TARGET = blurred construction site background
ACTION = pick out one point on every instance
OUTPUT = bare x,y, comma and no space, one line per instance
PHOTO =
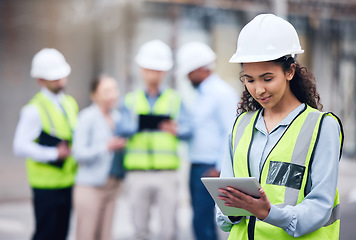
103,36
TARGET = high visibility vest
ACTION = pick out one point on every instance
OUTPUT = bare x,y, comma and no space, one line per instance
59,124
284,174
152,150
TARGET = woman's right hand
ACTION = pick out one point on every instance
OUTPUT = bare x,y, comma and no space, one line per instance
116,143
259,207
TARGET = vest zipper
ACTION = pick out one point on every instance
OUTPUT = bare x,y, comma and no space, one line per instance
252,221
263,165
251,228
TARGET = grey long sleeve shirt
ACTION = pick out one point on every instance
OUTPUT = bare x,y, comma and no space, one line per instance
314,211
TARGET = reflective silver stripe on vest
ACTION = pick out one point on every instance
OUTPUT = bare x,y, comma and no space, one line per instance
53,131
335,215
300,153
170,110
240,129
152,152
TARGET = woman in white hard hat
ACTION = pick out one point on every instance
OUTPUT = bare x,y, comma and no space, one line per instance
282,139
94,144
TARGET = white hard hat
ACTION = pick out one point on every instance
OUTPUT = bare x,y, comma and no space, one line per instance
49,64
266,38
194,55
155,55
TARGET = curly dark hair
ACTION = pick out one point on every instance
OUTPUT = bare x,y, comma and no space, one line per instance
302,86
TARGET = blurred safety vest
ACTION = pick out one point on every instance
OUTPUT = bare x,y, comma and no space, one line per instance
60,125
284,174
152,150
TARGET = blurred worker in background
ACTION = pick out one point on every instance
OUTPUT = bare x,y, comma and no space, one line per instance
213,114
151,158
43,136
94,144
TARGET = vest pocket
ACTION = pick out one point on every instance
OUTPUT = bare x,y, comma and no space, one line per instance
285,174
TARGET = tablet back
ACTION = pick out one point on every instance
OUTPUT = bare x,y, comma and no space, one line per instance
248,185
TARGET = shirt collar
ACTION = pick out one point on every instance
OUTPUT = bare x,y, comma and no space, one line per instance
113,113
52,96
261,126
204,85
160,91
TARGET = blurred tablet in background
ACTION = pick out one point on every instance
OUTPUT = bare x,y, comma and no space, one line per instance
51,141
151,122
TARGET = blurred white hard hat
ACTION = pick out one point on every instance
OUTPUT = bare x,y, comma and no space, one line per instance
49,64
194,55
265,38
155,55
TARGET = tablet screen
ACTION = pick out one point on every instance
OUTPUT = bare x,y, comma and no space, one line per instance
151,122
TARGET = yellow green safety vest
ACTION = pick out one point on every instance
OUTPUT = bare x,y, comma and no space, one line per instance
152,150
294,151
55,123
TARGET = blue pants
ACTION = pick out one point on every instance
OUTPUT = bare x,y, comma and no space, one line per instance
52,212
203,205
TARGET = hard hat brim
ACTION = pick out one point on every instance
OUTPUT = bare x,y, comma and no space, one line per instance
52,75
237,58
186,69
154,65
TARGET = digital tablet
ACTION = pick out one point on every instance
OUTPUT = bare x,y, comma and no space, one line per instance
151,122
248,185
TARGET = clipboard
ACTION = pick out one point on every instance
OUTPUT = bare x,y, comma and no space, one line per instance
51,141
151,122
248,185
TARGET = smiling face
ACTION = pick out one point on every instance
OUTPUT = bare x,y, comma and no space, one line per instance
268,84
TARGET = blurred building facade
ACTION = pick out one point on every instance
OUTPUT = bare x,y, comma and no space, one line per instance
99,36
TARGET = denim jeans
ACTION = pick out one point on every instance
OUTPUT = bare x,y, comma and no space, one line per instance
203,205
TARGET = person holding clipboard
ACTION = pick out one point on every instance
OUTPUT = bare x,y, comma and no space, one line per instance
44,135
153,119
282,139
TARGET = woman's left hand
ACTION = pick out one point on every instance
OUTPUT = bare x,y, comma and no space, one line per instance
259,207
116,143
